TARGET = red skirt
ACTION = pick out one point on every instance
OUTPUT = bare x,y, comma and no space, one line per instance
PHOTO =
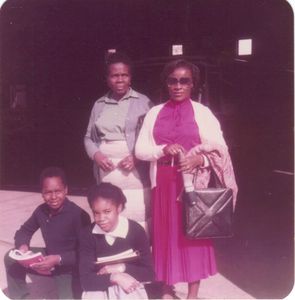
176,258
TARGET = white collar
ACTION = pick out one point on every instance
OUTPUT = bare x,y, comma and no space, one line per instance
121,230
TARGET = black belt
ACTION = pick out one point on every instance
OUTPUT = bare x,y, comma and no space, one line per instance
166,163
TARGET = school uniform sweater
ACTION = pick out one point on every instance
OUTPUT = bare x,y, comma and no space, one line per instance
60,231
93,245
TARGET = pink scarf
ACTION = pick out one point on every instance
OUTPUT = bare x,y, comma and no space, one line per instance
221,163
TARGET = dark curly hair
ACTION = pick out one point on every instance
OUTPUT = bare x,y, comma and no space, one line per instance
53,172
108,191
115,58
171,67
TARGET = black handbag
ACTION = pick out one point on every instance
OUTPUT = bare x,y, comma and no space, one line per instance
208,212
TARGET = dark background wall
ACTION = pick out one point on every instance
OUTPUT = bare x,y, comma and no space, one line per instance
55,50
52,53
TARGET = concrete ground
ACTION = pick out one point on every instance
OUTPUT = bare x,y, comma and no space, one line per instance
17,206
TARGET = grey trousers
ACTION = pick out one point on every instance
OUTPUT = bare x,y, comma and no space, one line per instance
16,280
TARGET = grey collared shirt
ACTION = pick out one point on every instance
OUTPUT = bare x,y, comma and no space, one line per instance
111,121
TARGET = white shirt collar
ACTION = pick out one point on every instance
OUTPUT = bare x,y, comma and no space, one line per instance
121,230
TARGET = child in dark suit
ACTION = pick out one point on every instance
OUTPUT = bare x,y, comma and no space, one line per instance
60,221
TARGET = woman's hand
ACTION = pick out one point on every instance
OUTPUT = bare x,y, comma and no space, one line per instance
173,149
103,162
189,163
47,264
125,281
114,268
127,163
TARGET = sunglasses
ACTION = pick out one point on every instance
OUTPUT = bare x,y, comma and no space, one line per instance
181,81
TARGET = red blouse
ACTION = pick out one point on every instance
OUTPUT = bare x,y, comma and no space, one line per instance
176,123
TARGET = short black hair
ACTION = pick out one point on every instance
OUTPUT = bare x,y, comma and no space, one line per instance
108,191
53,172
171,66
118,57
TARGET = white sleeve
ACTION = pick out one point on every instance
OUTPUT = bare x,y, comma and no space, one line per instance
210,130
145,147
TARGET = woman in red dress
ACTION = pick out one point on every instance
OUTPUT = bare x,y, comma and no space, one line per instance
180,125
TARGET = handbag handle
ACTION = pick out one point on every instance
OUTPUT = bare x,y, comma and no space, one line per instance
188,182
214,179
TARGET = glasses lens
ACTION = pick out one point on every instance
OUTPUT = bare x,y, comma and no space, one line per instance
182,81
172,81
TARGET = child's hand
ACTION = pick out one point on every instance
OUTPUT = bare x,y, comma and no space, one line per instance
128,283
47,264
114,268
24,248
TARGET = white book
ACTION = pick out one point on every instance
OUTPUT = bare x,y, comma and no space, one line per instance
124,256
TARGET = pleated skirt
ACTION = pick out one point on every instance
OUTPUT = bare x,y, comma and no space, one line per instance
176,258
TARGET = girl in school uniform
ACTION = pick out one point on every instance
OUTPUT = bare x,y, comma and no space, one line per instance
111,234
